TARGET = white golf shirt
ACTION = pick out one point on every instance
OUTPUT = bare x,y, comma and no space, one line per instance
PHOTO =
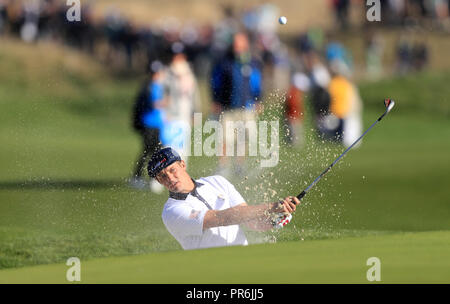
183,214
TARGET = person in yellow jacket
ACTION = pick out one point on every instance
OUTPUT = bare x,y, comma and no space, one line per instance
341,91
345,105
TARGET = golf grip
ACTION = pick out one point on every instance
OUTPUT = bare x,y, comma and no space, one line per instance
301,195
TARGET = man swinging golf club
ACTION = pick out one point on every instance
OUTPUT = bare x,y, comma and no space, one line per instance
210,212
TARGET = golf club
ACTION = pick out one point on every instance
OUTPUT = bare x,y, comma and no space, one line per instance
389,104
283,220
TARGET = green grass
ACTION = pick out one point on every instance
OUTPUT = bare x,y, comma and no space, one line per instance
404,258
67,148
425,93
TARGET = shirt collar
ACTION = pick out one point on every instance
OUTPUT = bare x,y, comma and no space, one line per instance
183,196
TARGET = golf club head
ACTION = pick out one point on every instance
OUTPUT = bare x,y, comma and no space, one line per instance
389,104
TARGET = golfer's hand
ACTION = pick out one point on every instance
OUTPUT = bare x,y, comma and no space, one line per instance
287,205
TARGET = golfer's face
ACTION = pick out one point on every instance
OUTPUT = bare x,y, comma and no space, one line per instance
174,177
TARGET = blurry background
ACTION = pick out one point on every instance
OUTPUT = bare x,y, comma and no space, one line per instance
68,148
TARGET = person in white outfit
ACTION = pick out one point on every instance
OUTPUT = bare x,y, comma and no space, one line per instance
183,100
353,124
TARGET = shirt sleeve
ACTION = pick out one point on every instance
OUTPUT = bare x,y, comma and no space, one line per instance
182,219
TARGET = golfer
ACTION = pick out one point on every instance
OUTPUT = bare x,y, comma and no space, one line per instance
208,212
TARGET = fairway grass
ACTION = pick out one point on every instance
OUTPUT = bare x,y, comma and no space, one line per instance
420,257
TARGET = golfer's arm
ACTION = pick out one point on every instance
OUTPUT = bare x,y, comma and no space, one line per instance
234,216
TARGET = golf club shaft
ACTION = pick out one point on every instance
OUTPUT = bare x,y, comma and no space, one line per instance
303,193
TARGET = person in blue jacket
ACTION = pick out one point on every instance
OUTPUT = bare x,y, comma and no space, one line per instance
236,85
149,120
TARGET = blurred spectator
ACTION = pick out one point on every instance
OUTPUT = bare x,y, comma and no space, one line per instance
335,51
15,16
81,34
52,22
320,99
183,100
277,67
318,90
2,15
442,11
114,28
316,36
295,109
261,24
341,10
374,46
129,39
149,120
340,92
345,107
404,54
224,31
236,85
315,68
411,56
420,56
199,51
305,43
29,29
416,9
395,12
353,124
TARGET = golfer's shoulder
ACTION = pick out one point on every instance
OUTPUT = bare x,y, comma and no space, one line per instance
172,203
167,205
173,207
217,184
215,180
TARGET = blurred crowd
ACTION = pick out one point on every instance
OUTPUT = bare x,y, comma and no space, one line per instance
416,12
249,62
120,42
398,12
112,39
242,59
